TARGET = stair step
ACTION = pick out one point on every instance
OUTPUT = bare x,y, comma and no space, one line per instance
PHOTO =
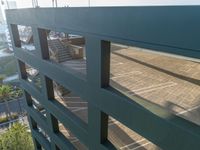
60,61
63,53
65,58
63,50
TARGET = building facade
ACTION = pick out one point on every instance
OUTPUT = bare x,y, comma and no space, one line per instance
172,30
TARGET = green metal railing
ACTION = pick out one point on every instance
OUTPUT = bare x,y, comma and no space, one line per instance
172,29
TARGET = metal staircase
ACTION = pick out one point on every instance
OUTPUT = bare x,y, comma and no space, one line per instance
60,51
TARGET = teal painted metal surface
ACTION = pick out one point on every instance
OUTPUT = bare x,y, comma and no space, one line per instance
167,29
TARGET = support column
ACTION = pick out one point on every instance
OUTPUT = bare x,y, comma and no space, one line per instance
98,67
41,44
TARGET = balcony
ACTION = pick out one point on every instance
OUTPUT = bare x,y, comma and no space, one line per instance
131,82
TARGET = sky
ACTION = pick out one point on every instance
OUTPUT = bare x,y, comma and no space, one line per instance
78,3
95,3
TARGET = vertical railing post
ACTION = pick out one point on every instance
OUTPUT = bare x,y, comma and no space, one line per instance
41,42
14,35
98,60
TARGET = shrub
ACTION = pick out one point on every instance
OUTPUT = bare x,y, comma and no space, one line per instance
16,138
8,92
4,119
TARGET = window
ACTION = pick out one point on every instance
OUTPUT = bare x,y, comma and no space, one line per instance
67,50
124,138
33,76
72,138
26,38
171,82
71,101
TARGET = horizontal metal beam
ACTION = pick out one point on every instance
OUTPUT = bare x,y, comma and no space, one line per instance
171,29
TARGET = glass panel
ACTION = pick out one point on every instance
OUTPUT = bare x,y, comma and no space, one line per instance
38,106
169,81
33,76
73,139
124,138
43,133
71,101
26,37
67,50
